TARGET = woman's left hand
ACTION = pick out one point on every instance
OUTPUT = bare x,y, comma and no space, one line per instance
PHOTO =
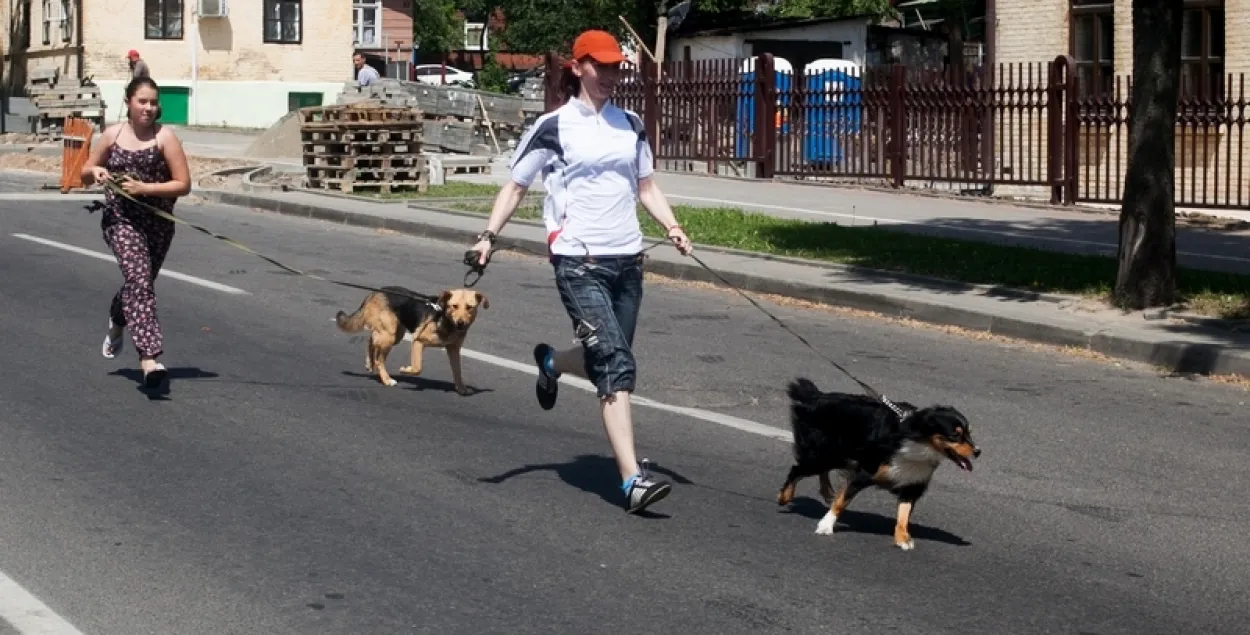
679,238
134,187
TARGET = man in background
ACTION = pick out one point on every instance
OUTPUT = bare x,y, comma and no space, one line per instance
138,67
365,74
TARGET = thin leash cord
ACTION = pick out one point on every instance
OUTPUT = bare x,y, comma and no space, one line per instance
471,259
868,389
113,186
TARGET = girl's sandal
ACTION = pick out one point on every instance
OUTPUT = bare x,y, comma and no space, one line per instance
154,377
112,346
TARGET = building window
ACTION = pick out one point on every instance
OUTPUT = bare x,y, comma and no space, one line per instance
367,23
1093,45
67,25
1202,50
162,19
475,36
283,21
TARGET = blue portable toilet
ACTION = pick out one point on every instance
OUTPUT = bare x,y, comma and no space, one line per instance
784,74
834,95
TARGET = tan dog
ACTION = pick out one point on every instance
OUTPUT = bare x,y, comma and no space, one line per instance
392,314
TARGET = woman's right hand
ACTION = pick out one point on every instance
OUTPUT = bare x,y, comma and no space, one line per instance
483,250
100,174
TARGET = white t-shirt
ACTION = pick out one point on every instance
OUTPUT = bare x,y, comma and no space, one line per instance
591,164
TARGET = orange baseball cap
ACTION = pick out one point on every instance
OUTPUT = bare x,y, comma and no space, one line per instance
600,46
132,54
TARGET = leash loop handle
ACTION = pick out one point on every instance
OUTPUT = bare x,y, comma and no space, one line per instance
476,268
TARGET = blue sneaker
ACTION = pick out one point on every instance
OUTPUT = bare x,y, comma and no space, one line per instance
548,385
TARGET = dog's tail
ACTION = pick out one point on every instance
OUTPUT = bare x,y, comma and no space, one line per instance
803,392
353,323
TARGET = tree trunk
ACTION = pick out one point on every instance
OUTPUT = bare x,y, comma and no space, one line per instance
1147,267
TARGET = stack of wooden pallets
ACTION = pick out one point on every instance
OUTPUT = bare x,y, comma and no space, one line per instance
363,147
58,98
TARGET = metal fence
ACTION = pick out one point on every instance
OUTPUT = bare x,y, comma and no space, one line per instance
1021,126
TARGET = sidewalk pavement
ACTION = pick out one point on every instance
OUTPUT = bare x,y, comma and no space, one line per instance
1177,344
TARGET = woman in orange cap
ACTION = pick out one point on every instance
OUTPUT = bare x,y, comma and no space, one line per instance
596,165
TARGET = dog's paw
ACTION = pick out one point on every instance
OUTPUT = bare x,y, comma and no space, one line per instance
906,545
408,370
390,382
464,391
825,526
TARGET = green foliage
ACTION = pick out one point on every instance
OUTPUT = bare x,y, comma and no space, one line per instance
435,26
833,8
493,77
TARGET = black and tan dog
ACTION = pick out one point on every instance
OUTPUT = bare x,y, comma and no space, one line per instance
869,444
393,314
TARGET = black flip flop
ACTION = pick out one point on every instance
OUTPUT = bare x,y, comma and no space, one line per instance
154,378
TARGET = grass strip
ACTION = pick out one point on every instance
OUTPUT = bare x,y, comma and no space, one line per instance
1210,293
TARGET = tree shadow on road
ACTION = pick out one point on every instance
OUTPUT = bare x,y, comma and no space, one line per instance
861,522
590,473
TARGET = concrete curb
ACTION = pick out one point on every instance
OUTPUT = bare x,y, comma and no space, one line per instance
1183,357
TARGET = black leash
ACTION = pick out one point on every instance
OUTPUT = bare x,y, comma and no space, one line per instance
471,260
872,392
476,269
113,186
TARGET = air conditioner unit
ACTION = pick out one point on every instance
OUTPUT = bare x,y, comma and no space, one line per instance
212,9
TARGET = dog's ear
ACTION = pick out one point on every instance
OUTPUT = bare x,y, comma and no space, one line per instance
482,300
444,298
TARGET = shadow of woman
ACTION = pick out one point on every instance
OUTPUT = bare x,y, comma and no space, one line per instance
162,392
590,473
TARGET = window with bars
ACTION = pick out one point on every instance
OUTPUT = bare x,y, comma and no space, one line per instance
1092,46
162,19
284,21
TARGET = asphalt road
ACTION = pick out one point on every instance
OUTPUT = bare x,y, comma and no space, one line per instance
277,489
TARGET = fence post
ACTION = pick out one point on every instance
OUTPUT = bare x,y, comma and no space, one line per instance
551,82
651,105
765,116
1071,130
898,124
1056,135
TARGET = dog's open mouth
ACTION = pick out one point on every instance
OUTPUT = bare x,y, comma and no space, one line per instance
963,463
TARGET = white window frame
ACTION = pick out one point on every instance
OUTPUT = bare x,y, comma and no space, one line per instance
358,8
469,26
48,19
67,25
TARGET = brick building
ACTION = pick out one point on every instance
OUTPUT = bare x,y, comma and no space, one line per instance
246,68
1098,35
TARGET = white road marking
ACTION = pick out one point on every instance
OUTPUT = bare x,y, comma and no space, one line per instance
1106,247
165,273
27,615
729,421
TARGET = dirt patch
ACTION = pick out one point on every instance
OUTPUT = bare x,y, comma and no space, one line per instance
281,141
25,138
199,166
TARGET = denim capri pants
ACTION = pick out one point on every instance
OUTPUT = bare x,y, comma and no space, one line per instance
602,295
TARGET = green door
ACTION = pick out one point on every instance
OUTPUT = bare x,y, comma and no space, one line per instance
295,101
175,105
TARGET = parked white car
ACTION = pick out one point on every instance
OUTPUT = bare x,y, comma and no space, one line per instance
433,74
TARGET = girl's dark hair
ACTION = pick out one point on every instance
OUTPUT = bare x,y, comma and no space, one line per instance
139,82
134,86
